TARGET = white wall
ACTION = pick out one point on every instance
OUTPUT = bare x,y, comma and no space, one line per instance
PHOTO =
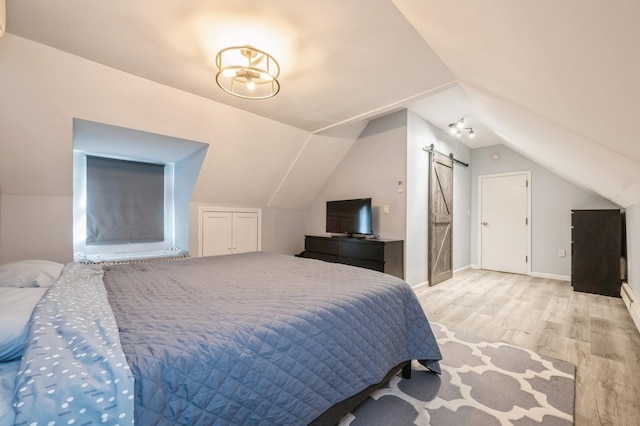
36,227
552,199
416,245
632,215
44,89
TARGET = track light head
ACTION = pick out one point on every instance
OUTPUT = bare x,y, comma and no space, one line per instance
457,128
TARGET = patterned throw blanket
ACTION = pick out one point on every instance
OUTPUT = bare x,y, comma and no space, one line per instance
73,370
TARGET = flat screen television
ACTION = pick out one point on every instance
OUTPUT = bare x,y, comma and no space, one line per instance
349,216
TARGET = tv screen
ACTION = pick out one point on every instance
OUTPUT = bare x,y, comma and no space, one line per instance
349,216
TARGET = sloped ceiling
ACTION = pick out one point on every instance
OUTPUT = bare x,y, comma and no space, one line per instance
556,81
339,59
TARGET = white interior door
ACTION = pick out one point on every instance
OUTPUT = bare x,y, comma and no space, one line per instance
504,223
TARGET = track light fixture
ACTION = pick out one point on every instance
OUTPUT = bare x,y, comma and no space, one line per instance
457,128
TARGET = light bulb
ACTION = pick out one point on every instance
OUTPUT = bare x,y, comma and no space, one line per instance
453,129
460,124
458,133
472,134
251,85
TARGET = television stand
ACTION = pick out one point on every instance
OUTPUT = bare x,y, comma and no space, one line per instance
380,255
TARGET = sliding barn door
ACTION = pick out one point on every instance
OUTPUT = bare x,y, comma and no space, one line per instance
440,218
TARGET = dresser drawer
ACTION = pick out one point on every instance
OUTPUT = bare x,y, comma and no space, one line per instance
328,246
363,263
380,255
321,256
369,250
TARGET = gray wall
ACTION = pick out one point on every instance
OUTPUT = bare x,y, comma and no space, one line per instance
422,134
282,229
372,168
552,199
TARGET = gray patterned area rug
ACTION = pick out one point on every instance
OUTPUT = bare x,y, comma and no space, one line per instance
482,383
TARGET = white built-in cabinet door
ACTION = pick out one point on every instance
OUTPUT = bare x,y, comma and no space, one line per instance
245,232
229,232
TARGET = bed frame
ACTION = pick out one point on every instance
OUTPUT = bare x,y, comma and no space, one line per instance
334,414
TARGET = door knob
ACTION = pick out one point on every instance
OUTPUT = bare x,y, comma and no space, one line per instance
485,223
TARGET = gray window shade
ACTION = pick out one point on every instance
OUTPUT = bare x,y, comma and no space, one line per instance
125,201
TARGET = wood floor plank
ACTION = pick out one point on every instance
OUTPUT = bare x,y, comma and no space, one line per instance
593,332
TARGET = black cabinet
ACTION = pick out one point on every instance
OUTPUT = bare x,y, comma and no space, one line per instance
380,255
596,248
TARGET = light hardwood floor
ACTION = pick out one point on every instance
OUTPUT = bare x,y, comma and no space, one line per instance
593,332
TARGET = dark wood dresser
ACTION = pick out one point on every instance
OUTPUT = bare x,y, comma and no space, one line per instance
596,248
380,255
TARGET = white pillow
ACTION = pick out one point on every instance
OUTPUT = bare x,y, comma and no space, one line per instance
29,273
16,306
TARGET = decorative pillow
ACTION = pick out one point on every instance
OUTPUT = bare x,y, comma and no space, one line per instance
16,306
29,273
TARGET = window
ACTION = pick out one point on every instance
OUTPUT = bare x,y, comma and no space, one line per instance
121,206
131,191
125,201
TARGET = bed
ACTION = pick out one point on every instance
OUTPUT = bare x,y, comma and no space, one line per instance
254,338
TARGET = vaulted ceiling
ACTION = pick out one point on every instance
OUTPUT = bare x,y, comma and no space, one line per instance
555,81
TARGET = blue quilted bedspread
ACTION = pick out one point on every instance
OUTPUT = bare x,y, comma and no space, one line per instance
260,338
73,370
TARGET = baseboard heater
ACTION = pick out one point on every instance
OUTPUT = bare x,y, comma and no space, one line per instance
632,302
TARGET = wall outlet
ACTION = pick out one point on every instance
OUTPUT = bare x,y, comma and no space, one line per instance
562,253
385,209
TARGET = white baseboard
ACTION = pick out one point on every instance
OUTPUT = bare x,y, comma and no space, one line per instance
538,274
551,276
426,283
632,302
419,285
464,268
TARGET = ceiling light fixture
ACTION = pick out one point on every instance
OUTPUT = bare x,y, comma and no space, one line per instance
247,72
457,128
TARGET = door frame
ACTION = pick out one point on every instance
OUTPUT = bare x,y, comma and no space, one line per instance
479,214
